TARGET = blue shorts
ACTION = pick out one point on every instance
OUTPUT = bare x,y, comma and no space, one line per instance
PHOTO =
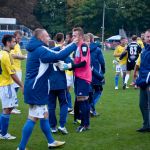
82,87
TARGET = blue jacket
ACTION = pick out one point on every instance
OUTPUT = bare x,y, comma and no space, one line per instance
97,63
38,68
144,72
57,77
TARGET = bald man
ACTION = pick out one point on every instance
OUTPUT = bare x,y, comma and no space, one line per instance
39,65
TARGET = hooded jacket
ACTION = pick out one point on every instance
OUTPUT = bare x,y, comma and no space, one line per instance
38,68
97,63
144,73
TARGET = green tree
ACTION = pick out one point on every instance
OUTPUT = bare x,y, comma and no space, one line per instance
52,15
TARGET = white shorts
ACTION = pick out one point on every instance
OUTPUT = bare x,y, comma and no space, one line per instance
123,68
38,111
118,68
19,74
8,96
70,81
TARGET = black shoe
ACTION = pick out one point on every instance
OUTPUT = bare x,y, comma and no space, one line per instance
143,130
124,86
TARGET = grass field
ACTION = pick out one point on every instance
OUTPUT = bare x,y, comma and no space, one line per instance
114,129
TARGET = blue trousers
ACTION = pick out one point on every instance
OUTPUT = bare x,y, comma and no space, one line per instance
61,95
95,95
145,106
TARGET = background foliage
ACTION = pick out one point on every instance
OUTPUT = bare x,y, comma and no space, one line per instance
62,15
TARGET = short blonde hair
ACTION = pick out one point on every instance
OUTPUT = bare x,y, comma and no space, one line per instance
86,37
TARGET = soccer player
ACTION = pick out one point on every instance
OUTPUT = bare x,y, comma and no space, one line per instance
98,71
69,77
121,66
58,89
59,39
37,85
133,50
83,77
143,82
17,57
7,91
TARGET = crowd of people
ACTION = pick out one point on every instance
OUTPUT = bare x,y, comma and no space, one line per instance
52,68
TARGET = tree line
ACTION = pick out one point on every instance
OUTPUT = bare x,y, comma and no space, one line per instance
63,15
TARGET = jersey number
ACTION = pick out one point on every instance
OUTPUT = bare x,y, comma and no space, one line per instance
133,50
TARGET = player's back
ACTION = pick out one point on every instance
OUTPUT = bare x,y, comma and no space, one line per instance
134,50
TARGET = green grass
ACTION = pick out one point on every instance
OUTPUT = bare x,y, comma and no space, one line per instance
113,130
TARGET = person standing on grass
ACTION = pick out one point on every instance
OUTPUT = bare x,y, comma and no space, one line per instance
98,71
143,82
17,57
58,89
83,76
121,66
133,50
69,77
7,92
37,85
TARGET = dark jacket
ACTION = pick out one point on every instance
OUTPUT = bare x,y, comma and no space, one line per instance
97,64
144,72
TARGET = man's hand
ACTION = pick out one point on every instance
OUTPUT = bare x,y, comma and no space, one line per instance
75,40
64,66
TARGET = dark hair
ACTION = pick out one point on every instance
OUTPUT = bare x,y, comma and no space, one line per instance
70,34
18,32
59,37
80,30
7,38
134,37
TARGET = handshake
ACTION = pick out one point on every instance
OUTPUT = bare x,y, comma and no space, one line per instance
63,66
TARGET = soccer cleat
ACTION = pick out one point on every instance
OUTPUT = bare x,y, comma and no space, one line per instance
136,87
124,86
63,130
132,84
116,87
94,114
19,149
7,137
15,111
54,130
56,144
70,110
82,128
143,129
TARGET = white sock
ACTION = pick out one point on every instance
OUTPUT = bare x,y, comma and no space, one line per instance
126,78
